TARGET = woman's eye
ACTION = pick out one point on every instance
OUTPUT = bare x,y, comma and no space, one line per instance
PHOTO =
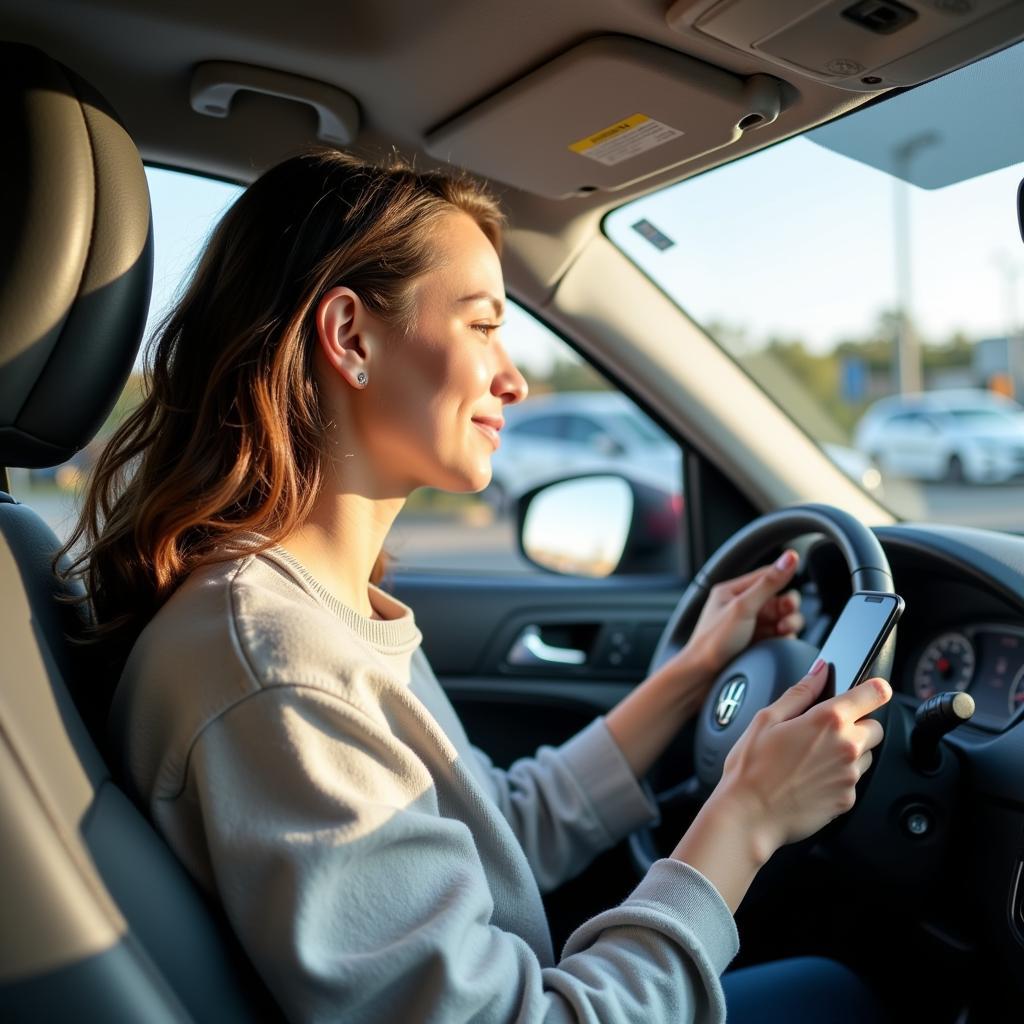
485,328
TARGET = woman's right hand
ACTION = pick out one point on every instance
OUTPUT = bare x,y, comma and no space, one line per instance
796,766
793,770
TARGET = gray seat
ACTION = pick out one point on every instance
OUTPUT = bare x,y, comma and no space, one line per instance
99,920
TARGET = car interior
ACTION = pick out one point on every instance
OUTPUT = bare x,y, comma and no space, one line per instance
570,112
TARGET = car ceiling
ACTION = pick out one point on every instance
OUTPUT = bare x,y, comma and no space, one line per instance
410,65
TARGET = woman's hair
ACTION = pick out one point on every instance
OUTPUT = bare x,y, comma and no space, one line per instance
231,436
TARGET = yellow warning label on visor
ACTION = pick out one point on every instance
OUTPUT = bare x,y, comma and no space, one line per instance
626,138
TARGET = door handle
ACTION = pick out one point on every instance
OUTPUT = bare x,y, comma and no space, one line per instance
530,649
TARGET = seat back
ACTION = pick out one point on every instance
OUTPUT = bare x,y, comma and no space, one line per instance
99,920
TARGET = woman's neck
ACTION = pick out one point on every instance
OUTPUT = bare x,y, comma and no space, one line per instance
339,544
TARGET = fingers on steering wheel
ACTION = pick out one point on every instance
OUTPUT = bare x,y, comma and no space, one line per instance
863,763
782,605
791,624
736,586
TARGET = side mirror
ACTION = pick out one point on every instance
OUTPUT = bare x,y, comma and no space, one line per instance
1020,210
598,525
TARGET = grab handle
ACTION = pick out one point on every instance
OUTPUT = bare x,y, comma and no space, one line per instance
215,83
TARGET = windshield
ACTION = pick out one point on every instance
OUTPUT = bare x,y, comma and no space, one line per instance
874,258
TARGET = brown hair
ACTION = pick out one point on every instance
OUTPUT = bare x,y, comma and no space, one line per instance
230,434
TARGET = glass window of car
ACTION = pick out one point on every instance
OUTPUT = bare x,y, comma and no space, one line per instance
436,530
879,254
533,451
550,427
583,430
981,417
914,420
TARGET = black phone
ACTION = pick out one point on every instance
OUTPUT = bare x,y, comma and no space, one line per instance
856,638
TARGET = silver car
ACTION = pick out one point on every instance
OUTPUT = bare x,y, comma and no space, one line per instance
580,431
968,436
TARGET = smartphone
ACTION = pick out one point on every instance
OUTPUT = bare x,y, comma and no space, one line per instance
857,637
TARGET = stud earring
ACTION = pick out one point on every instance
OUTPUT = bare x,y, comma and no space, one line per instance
361,379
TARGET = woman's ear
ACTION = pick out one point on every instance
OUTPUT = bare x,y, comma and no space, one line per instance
346,343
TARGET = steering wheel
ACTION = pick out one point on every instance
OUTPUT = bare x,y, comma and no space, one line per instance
757,676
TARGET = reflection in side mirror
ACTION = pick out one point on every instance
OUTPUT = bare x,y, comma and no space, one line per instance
579,527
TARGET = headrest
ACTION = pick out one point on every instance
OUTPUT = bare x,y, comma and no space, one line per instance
76,259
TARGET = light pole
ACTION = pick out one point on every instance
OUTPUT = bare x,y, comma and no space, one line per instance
1011,270
908,353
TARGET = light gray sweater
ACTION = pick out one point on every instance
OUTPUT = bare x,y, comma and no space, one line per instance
306,766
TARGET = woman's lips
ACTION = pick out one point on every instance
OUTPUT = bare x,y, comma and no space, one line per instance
490,431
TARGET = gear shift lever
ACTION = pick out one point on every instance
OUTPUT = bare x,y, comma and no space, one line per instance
934,718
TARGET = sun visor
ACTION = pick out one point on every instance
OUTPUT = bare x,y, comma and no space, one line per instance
955,128
604,115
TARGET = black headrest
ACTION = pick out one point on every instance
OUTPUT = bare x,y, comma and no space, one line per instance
76,259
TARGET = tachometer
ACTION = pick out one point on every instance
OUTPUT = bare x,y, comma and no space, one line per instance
946,664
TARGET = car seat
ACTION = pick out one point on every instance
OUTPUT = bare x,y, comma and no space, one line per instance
99,920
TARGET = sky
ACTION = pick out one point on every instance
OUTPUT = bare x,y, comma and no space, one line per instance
798,241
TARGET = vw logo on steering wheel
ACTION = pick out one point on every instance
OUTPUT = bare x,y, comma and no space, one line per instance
730,697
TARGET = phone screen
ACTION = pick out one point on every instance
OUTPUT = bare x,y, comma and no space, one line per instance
858,635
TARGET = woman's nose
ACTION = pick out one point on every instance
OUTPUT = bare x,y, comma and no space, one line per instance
509,384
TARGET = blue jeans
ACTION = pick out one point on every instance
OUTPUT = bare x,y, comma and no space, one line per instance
801,990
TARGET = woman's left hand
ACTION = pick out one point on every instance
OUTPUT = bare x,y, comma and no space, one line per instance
746,609
738,611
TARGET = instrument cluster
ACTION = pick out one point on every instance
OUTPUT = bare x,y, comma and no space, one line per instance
986,660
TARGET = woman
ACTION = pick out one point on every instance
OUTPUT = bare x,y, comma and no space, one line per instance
339,347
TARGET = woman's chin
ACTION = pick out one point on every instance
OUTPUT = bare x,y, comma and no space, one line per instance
466,482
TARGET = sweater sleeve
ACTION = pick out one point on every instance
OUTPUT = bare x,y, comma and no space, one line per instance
567,804
358,901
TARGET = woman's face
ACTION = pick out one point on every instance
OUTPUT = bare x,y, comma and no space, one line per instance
431,411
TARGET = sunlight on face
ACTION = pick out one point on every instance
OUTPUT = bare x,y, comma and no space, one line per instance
438,406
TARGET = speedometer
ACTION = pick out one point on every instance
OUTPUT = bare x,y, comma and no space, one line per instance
947,663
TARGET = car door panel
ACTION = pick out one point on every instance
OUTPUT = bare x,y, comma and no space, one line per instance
472,628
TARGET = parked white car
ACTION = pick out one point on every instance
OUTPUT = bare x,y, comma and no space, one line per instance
964,435
578,432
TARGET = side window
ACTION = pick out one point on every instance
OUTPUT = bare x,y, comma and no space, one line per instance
583,430
901,421
437,531
568,402
920,423
551,428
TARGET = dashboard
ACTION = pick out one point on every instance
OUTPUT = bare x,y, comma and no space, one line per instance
948,841
959,630
983,659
